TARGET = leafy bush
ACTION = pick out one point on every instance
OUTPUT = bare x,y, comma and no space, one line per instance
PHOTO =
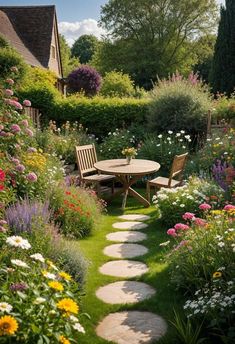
100,115
179,104
117,84
114,143
9,58
201,261
163,148
84,79
176,201
225,108
38,300
77,211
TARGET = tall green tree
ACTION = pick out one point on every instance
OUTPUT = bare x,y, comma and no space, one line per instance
68,62
223,70
151,37
84,48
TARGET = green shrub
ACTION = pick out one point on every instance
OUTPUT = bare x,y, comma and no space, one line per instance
10,58
117,84
225,108
98,114
163,148
186,198
179,104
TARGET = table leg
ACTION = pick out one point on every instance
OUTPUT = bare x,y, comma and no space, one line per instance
135,194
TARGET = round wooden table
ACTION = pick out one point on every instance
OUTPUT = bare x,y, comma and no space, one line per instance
128,174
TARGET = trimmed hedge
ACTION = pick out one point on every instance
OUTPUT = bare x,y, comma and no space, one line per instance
100,115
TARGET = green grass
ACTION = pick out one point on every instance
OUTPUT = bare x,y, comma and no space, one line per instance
166,297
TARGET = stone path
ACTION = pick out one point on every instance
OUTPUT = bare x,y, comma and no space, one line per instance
125,250
126,236
132,327
125,292
130,225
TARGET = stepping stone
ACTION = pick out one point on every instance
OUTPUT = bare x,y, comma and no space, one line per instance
125,292
124,268
125,250
134,217
126,236
132,327
130,225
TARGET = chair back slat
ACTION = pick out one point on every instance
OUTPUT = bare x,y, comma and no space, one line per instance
86,157
178,167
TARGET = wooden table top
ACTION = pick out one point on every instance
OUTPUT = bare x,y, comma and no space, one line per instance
120,167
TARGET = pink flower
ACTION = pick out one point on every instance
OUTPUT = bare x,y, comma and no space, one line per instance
1,127
27,102
8,92
15,161
10,81
3,222
172,232
229,207
15,128
181,226
24,122
17,105
3,133
14,69
17,146
188,216
29,132
204,206
31,150
32,177
199,222
20,168
3,230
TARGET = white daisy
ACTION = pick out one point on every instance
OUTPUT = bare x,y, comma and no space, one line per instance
20,263
79,327
170,132
37,256
160,136
39,300
18,241
49,275
5,307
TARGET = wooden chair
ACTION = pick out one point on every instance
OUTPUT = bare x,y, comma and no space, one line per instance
176,170
86,158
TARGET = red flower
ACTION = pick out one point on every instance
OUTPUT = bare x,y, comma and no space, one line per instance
68,193
2,175
1,187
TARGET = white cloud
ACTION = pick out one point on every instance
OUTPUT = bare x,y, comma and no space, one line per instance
72,31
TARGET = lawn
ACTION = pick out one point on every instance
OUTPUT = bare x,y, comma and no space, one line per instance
165,299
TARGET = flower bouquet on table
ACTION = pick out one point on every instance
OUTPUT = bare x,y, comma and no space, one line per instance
130,153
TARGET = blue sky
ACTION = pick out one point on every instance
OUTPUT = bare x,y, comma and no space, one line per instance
75,17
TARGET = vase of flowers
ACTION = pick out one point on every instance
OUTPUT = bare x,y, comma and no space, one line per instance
130,153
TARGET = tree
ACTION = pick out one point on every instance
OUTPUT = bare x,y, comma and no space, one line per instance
84,79
223,70
9,58
68,62
84,48
153,35
117,84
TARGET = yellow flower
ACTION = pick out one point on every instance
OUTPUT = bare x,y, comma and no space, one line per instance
65,276
68,305
51,264
217,274
56,285
63,340
8,325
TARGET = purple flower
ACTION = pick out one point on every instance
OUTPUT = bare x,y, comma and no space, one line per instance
15,128
31,150
20,168
29,132
18,286
32,177
15,161
27,102
3,133
8,92
24,122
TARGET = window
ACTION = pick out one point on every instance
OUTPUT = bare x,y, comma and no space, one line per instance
53,52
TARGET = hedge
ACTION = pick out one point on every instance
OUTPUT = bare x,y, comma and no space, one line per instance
100,115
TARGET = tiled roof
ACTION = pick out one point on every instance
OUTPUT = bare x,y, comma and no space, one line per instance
8,32
34,26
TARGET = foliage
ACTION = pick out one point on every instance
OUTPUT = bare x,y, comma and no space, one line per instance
3,42
38,75
84,48
37,299
225,107
188,197
84,79
115,142
117,84
68,62
179,103
141,30
223,69
77,211
162,148
202,262
10,58
62,141
100,115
